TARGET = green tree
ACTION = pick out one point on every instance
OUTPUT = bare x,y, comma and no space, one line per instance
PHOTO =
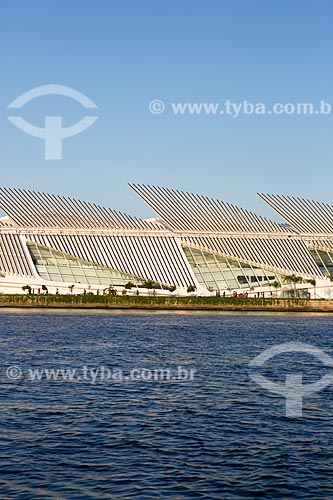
129,285
295,280
276,285
313,283
191,288
149,284
27,288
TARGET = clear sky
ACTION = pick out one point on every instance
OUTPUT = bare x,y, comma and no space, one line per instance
123,54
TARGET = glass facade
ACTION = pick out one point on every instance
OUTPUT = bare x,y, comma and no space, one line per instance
212,270
53,265
216,272
324,260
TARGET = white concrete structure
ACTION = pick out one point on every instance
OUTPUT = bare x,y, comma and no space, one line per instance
65,245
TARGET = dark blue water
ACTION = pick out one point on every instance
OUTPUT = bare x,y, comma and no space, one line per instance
218,436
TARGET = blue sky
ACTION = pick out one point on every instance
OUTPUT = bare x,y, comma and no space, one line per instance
124,54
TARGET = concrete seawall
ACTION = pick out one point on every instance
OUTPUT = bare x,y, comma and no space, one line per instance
164,303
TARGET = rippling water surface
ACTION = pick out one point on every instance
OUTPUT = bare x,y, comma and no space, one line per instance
218,436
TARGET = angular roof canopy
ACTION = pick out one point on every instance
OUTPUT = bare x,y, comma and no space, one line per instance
304,216
183,211
41,210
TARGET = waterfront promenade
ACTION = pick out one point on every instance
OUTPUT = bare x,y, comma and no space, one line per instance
165,303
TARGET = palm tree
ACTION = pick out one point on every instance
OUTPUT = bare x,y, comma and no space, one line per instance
149,284
129,285
292,278
313,283
276,285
